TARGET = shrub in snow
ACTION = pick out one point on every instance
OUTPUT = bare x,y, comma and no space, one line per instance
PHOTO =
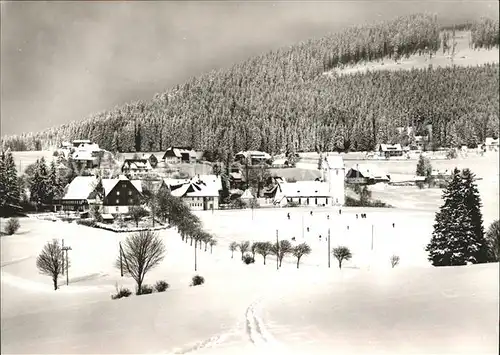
145,290
248,259
12,226
197,280
394,260
86,222
120,293
161,286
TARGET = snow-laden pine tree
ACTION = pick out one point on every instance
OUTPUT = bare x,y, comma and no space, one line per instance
38,183
9,184
458,236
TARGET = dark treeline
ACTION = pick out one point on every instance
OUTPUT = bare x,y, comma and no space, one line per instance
283,101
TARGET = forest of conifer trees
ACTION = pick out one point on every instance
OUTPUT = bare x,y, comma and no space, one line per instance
282,101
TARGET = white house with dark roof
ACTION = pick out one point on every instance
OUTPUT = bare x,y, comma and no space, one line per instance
200,192
120,194
136,166
366,174
390,150
253,157
329,191
79,194
176,155
491,144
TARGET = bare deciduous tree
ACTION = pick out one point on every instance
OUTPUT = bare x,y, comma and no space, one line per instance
141,252
137,212
284,248
300,250
264,249
233,247
394,260
244,246
51,260
212,243
341,253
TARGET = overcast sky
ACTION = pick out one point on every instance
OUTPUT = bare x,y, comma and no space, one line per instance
62,61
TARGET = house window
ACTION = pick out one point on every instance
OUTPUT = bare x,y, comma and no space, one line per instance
124,185
117,209
327,201
117,193
117,201
130,193
337,172
307,200
300,200
316,201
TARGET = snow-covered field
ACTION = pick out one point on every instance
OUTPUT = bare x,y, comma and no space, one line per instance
367,307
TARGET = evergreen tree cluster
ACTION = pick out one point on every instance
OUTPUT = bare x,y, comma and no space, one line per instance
282,101
458,237
45,182
485,33
10,193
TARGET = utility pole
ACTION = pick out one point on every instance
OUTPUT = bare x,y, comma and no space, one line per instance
195,260
328,247
277,251
62,248
66,249
372,236
121,259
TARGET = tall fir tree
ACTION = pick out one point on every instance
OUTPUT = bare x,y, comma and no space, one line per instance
39,191
458,236
9,184
54,183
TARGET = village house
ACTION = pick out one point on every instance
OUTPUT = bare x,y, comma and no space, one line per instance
389,150
136,166
366,174
200,193
253,157
120,194
328,191
176,155
236,180
79,194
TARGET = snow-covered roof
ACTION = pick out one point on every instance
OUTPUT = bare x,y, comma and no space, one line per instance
195,189
80,188
247,195
179,150
305,189
109,184
173,182
370,171
491,141
107,216
390,147
214,181
237,176
137,164
281,161
254,154
83,155
334,161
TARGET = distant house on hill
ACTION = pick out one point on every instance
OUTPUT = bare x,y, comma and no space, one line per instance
136,166
253,157
390,150
366,174
79,194
121,194
491,144
200,192
176,155
85,159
